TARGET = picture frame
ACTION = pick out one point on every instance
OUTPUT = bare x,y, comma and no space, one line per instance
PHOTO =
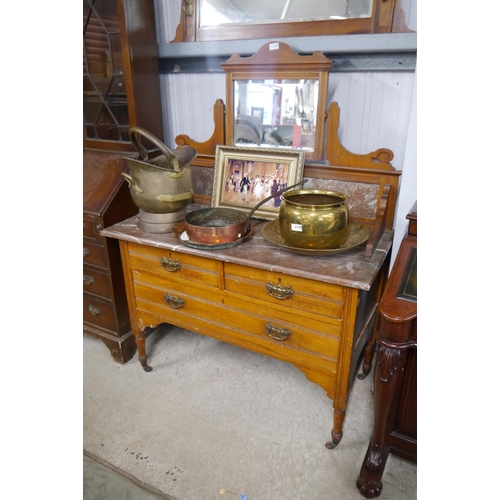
243,177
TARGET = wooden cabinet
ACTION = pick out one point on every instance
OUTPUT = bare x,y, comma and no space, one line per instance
106,200
121,89
395,376
121,86
314,313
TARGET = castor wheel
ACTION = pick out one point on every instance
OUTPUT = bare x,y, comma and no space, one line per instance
330,445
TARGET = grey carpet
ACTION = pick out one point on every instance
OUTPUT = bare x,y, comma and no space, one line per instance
213,416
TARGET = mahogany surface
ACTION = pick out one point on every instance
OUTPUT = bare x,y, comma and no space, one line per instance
106,200
395,375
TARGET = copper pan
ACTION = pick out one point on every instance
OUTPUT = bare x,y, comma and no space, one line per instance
217,225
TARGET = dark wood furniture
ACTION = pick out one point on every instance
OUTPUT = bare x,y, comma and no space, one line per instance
121,85
106,200
121,88
395,375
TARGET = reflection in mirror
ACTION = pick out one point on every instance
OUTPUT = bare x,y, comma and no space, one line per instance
220,12
275,113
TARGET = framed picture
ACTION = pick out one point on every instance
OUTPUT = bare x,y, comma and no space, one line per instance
244,177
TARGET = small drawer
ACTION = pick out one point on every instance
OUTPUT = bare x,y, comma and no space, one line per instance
92,228
100,313
94,254
288,291
96,283
168,265
88,228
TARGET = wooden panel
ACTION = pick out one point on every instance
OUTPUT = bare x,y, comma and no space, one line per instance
312,296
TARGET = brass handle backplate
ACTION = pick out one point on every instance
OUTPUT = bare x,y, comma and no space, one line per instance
277,332
88,280
85,251
173,302
171,265
278,291
94,310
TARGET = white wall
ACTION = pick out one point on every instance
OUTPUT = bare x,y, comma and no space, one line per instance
377,109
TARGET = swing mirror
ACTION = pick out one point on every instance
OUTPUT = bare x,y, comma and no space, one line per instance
277,99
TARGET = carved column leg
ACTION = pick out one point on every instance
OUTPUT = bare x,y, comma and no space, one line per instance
387,379
338,422
140,341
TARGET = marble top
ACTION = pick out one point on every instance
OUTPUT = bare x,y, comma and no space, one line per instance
350,268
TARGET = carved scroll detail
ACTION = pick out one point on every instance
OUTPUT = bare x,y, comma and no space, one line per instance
389,361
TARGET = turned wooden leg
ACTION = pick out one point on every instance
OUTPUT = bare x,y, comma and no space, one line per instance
140,341
387,379
338,422
367,358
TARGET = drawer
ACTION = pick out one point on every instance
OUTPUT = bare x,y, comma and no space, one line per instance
96,282
91,228
167,265
100,313
303,294
144,283
214,316
94,254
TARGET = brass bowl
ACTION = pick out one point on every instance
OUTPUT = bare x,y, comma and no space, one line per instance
313,218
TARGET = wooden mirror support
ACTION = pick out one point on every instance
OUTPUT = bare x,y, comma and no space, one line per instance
276,65
386,17
205,151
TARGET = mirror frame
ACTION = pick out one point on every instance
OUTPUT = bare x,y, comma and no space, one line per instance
277,60
381,21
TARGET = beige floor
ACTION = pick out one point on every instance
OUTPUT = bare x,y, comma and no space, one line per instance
212,416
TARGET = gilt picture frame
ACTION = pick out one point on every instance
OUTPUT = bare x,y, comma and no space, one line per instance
243,177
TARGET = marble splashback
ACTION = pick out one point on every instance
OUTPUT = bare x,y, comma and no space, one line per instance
361,197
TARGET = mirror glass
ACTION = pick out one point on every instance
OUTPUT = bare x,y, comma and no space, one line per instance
220,12
275,113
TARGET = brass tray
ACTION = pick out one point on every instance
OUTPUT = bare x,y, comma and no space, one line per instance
180,233
358,234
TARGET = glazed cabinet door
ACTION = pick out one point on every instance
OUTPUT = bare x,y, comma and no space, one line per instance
120,72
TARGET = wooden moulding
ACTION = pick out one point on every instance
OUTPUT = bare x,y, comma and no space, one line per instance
386,18
206,150
378,162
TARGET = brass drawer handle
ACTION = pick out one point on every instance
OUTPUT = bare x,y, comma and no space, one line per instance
171,265
85,251
94,310
173,302
88,280
278,333
278,291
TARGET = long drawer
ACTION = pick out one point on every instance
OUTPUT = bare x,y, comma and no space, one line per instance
269,329
296,293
